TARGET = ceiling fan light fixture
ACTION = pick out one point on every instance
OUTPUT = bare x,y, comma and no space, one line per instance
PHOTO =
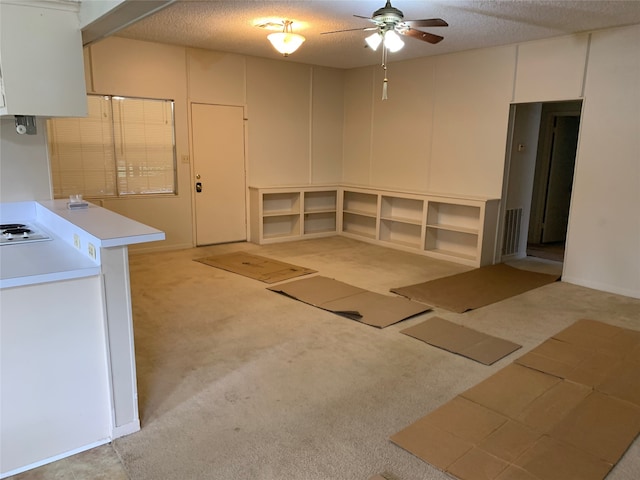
374,40
286,42
392,41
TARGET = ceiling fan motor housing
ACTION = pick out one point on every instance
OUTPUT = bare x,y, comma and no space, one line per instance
388,15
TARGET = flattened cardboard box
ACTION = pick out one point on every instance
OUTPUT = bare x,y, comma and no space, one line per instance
475,288
530,421
254,266
461,340
355,303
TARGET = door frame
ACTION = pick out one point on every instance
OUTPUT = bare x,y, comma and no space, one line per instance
192,172
572,106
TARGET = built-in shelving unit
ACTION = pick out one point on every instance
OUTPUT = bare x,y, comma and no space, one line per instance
453,228
458,229
288,213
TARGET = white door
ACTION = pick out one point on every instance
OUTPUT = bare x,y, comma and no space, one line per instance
219,168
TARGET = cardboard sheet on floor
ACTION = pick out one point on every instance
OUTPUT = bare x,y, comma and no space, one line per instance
355,303
462,340
475,288
534,419
260,268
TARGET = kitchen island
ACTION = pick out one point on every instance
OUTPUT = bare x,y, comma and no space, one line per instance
68,377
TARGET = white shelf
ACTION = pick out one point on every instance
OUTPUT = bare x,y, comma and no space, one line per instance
320,201
401,233
455,228
359,225
400,209
320,222
359,203
450,228
279,214
458,229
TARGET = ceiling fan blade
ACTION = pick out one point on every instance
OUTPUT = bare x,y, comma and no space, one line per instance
428,22
424,36
350,30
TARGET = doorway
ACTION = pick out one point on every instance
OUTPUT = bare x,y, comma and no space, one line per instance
219,173
539,180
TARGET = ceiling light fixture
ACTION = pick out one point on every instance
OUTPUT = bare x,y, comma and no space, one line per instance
392,41
286,42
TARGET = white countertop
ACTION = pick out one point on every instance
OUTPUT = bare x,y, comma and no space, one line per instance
41,262
74,250
108,228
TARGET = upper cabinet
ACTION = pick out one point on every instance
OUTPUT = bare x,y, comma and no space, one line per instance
41,59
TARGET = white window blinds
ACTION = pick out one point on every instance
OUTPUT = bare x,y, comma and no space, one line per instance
125,146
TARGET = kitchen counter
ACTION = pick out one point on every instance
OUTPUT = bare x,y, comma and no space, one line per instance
65,305
41,262
75,248
107,228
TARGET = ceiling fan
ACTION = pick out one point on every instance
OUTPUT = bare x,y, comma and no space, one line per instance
389,25
390,22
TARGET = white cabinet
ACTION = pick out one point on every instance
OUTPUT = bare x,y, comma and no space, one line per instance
54,387
41,59
288,213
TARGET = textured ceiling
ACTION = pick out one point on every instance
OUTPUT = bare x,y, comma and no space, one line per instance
228,25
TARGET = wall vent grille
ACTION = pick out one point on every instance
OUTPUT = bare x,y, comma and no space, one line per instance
511,240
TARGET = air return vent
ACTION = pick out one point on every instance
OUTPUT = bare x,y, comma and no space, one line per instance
511,238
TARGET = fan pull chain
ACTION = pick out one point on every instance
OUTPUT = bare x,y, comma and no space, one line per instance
385,82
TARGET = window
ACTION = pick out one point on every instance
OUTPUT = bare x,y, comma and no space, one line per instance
125,146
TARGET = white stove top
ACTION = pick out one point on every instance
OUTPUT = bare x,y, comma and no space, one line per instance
20,233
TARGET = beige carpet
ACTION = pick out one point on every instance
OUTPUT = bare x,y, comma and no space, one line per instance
238,383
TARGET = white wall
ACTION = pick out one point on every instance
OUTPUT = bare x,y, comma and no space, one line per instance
442,129
604,223
24,163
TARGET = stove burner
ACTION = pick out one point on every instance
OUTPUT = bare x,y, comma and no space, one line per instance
16,231
20,233
6,226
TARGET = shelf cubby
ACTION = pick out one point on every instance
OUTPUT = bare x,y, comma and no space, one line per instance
284,203
453,216
320,222
321,201
359,225
401,233
451,243
278,226
407,210
360,203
